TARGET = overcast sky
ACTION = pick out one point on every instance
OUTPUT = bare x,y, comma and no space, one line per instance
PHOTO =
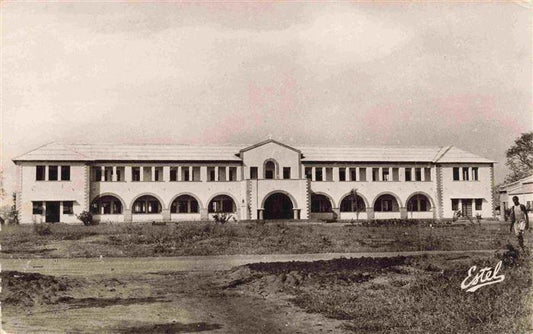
323,74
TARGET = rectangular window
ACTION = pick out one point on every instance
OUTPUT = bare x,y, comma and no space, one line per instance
329,174
37,208
353,175
40,173
395,174
253,173
65,173
233,173
136,174
108,174
318,174
479,203
408,176
52,173
375,174
196,174
173,173
308,173
211,175
97,173
362,174
475,174
68,207
221,174
465,174
427,174
385,174
456,173
455,204
121,174
418,174
286,173
147,174
342,174
158,174
185,173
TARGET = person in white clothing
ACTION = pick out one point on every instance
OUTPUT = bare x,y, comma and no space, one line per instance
519,221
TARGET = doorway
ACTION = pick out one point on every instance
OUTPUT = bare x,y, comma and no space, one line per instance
278,206
52,212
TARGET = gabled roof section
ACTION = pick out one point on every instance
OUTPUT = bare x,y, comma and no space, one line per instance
455,155
53,152
264,142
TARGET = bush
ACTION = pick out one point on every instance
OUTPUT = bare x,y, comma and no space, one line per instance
42,229
86,218
223,218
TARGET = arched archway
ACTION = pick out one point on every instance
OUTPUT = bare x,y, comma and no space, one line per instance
278,206
386,203
222,203
270,169
351,203
185,204
147,204
419,202
107,204
321,203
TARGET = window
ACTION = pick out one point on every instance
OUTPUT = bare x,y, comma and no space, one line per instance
173,173
253,173
375,174
418,174
408,176
158,174
37,208
385,174
196,173
270,169
185,173
329,174
184,204
146,205
318,174
233,173
418,203
120,174
68,207
320,203
353,175
106,205
108,174
362,175
350,204
427,174
479,203
308,173
221,173
286,172
39,173
222,203
342,174
465,174
211,173
386,203
147,174
475,174
136,174
455,204
456,173
52,173
97,173
65,173
396,174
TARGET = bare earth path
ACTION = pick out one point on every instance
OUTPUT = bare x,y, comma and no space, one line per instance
120,266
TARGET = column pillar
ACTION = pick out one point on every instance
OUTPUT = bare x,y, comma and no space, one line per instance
102,172
204,213
166,174
46,173
295,214
152,170
403,212
216,173
336,213
313,175
239,172
191,175
203,173
114,176
370,213
227,173
127,173
128,218
422,174
179,173
336,174
166,215
260,215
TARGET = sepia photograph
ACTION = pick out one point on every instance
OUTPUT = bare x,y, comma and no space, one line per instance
251,166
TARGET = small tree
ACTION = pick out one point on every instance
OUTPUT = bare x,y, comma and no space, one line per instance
13,213
86,218
520,157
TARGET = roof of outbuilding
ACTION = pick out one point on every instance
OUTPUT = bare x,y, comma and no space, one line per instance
172,152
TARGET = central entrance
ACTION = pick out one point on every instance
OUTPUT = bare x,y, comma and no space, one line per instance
52,212
278,206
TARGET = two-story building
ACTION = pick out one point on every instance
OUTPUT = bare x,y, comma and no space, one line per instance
268,180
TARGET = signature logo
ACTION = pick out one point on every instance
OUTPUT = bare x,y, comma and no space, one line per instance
483,277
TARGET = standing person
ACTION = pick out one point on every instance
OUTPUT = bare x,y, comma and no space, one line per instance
519,220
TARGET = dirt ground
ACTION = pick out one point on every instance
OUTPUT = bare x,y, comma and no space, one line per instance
284,297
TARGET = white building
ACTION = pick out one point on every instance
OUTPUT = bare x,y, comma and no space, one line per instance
268,180
522,188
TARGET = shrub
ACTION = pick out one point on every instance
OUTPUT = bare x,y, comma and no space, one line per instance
86,218
42,229
223,218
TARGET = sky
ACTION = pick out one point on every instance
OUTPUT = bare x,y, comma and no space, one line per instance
304,73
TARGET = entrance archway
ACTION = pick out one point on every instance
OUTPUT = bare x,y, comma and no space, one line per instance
278,206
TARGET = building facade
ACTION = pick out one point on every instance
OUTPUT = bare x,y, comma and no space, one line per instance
268,180
522,188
